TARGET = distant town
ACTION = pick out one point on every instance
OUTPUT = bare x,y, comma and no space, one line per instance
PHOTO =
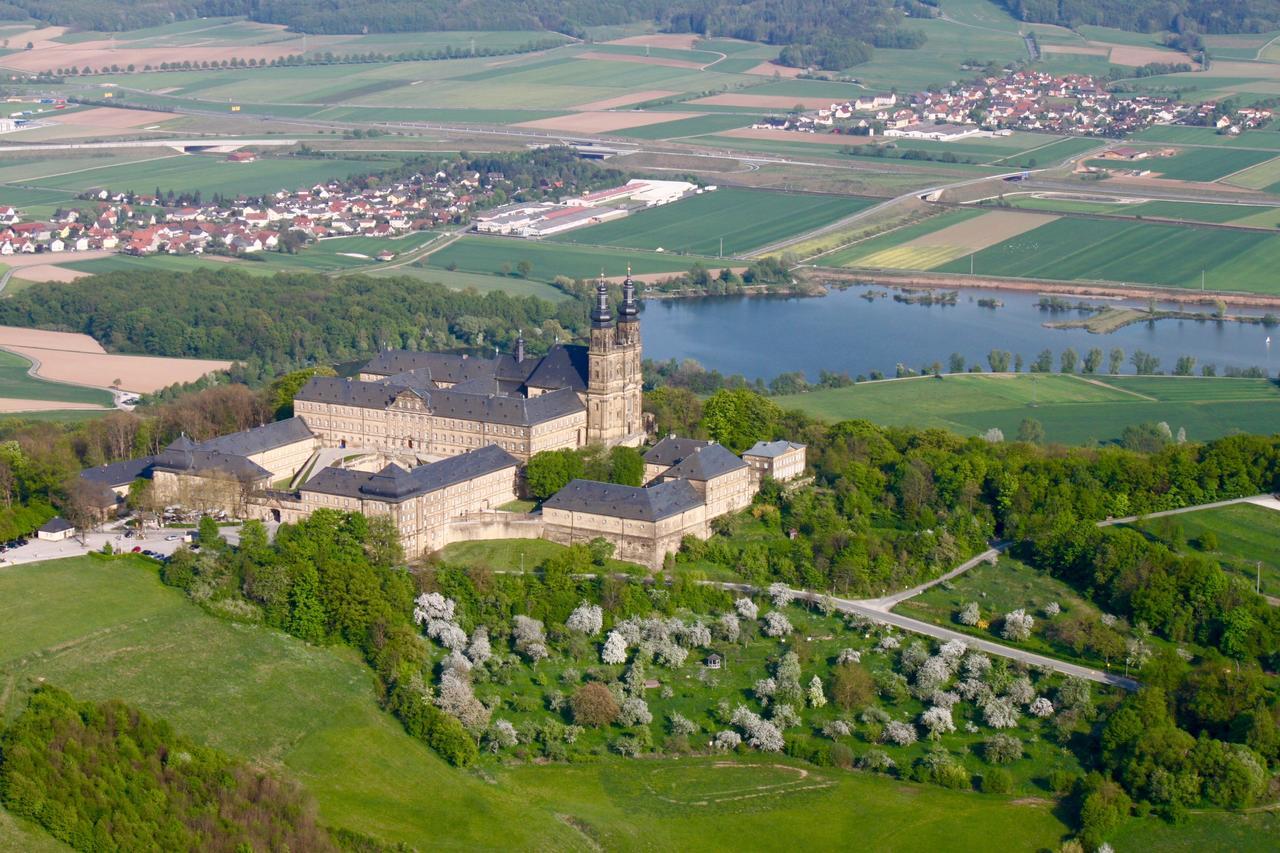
1022,100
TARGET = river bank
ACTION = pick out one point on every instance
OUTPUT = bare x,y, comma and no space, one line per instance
932,280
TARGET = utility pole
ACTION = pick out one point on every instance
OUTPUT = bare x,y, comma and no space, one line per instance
721,255
1257,584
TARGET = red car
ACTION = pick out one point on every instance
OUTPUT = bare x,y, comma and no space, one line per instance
137,548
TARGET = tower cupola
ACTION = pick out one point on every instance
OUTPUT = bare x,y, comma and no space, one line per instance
601,315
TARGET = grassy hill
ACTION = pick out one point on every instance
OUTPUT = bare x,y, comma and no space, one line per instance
313,713
1073,409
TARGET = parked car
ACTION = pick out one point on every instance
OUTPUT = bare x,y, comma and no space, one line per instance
172,537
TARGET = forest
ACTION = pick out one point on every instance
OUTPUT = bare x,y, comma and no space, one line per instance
105,776
1182,17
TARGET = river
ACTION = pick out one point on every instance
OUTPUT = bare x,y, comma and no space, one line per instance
762,336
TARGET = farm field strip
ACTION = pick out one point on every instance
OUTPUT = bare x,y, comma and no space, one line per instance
502,255
853,254
697,224
1196,164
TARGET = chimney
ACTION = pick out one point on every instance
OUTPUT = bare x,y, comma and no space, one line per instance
520,346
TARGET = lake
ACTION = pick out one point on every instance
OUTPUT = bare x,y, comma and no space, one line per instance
762,336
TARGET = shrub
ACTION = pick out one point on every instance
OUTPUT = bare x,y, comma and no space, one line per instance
852,687
1002,749
841,756
593,705
997,781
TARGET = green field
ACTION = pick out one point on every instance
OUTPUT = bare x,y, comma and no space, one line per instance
1072,410
482,283
1073,249
1051,153
1246,534
745,220
852,255
490,255
17,384
208,173
1195,164
1184,211
1181,134
1264,176
686,127
314,715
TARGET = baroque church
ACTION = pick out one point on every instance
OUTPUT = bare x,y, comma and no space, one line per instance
441,404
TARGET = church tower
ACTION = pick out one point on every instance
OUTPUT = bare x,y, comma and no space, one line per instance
614,386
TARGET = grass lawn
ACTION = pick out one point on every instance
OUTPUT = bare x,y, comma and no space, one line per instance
314,714
481,282
745,219
1072,410
16,383
1208,136
1246,533
501,255
505,555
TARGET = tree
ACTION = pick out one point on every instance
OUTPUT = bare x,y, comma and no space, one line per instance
1144,363
626,466
1043,362
1031,431
999,360
1092,360
969,614
1002,749
852,686
306,612
1185,366
1017,625
738,418
209,534
816,697
551,470
615,649
524,268
956,363
1115,361
1068,361
281,392
586,619
593,705
1144,438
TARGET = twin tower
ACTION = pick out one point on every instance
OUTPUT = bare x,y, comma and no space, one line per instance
615,380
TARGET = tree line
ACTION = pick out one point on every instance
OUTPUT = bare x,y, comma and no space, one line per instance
1151,16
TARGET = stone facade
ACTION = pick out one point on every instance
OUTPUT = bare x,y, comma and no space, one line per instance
781,460
439,404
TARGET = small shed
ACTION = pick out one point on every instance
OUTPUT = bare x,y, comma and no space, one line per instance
56,529
714,661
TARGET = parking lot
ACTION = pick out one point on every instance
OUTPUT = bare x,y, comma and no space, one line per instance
163,542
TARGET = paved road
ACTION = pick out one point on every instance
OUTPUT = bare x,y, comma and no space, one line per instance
870,611
1262,500
888,602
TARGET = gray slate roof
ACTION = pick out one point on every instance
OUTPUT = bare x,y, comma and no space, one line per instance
491,407
57,524
394,484
119,474
706,463
209,462
564,366
259,439
671,450
772,449
349,392
652,503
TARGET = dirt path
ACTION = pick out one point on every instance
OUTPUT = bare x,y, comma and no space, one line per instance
1102,384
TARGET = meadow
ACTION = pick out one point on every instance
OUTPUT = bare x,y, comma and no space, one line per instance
1184,211
315,716
1246,537
17,384
502,255
480,282
1182,134
1196,164
1072,410
697,225
1075,249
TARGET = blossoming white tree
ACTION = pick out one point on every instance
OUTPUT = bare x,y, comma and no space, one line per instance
836,728
1041,707
776,624
970,614
746,608
1052,609
680,724
760,733
1020,690
728,628
446,634
937,720
816,697
1017,625
952,651
784,716
530,638
999,713
900,733
433,605
727,740
502,735
848,656
615,649
780,594
455,698
478,650
765,688
586,619
635,712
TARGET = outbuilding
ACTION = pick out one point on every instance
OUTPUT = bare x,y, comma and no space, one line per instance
56,529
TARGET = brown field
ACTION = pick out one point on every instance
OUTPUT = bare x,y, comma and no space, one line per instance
603,122
768,102
675,41
50,272
983,231
797,136
112,118
98,54
41,38
768,69
1154,181
9,405
643,60
76,358
626,100
46,259
1123,54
